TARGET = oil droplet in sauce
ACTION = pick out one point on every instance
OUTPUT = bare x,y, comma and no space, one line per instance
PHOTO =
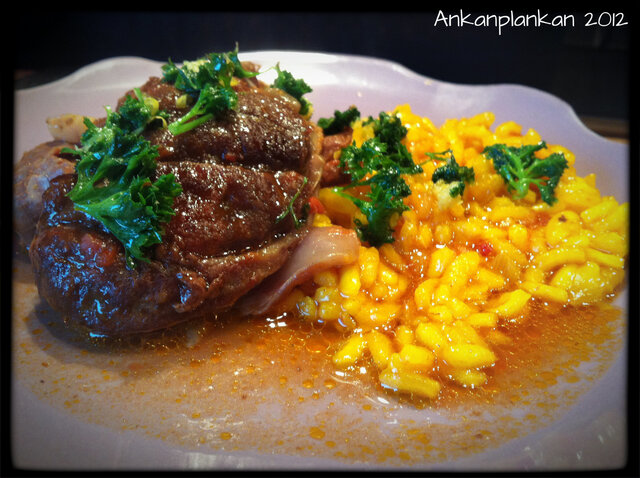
316,433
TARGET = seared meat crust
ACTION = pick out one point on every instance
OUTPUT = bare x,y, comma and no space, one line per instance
264,131
32,176
227,209
238,174
333,174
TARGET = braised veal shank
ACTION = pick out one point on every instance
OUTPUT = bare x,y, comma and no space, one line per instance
238,174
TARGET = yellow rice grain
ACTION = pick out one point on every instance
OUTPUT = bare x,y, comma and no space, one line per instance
434,306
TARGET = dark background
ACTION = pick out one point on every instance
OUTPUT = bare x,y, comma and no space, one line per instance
588,67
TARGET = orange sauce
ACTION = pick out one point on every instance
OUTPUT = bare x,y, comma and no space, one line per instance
267,385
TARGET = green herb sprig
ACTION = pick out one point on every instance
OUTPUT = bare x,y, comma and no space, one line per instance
379,164
339,121
452,173
207,82
115,162
520,169
295,87
289,210
113,184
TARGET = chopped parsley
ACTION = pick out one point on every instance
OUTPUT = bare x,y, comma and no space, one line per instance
289,210
294,87
379,164
520,169
452,173
115,162
207,83
340,121
113,184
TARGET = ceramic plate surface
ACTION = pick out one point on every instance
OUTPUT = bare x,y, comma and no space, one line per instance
47,432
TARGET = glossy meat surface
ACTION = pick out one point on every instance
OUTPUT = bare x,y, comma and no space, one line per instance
238,174
32,176
264,131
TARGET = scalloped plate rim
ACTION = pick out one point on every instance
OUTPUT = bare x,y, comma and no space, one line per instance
396,68
334,57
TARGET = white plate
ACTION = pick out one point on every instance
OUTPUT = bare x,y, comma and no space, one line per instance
591,433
